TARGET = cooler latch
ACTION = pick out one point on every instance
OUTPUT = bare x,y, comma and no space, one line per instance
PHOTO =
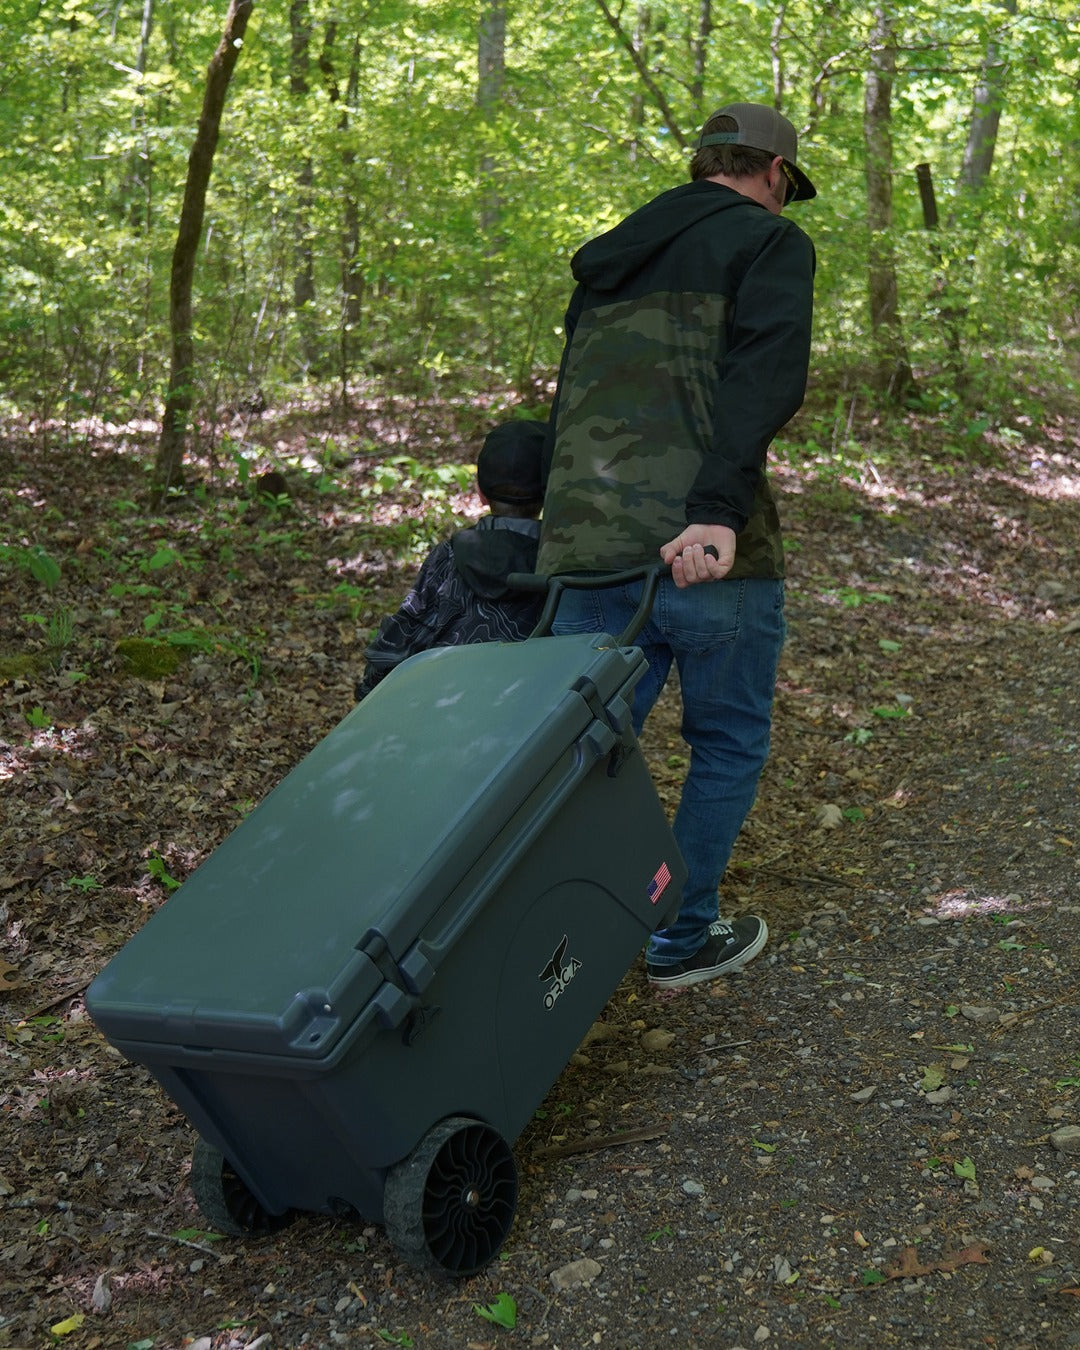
610,723
398,1001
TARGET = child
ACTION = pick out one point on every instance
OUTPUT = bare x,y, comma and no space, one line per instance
461,594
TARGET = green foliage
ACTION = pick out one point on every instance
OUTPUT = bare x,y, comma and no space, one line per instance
503,1312
1071,1080
85,884
891,712
463,217
59,630
51,1027
157,869
34,560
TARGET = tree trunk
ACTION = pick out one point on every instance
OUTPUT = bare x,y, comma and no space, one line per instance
776,57
135,192
299,55
700,52
892,369
636,120
491,74
985,116
168,466
945,308
352,277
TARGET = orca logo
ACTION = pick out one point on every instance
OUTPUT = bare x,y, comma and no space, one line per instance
558,973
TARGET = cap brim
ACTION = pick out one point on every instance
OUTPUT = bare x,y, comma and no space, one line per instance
804,189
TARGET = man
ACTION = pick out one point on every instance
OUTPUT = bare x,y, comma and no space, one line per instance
461,594
687,347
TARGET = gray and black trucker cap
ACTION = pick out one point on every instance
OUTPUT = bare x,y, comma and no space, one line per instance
763,128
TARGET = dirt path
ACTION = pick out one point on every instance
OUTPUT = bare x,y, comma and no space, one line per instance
867,1137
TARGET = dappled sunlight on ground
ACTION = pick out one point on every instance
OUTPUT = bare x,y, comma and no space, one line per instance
940,525
962,904
46,743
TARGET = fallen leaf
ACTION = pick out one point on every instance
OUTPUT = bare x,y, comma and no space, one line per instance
933,1076
975,1255
10,978
68,1325
910,1267
503,1312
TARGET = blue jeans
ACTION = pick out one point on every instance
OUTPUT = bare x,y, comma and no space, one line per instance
725,639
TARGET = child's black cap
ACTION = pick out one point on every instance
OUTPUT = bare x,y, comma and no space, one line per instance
508,467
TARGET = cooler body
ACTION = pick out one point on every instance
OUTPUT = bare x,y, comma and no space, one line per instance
421,921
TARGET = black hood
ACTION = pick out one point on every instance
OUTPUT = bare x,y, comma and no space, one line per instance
487,552
610,260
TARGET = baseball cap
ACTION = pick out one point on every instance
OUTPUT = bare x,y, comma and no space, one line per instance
763,128
508,466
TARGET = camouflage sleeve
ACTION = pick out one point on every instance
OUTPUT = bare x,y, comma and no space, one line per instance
569,325
762,377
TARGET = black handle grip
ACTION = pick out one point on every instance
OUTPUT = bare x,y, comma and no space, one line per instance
650,573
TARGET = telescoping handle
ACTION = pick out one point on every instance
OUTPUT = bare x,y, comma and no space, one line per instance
553,587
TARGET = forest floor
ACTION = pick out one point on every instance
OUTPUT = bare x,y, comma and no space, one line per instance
868,1137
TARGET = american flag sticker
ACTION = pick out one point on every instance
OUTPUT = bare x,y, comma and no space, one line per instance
659,883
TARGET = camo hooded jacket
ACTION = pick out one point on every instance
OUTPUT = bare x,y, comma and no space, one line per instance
687,346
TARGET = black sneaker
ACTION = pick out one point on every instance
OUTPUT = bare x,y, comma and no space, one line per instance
729,946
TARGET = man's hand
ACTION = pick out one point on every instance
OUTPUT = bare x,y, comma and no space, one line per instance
688,560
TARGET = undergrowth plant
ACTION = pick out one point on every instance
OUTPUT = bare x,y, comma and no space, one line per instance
41,565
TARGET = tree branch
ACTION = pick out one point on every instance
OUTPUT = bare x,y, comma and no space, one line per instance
650,84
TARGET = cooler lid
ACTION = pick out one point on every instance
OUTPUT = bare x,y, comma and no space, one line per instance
259,950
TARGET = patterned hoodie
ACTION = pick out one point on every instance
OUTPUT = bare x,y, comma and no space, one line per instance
461,596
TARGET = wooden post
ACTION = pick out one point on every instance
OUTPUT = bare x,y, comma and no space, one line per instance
926,192
947,311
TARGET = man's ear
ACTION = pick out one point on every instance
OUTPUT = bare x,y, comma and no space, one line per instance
483,500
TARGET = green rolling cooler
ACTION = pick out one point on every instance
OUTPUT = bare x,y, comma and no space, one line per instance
361,997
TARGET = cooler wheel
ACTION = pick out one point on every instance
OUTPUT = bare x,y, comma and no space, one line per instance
449,1205
224,1199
